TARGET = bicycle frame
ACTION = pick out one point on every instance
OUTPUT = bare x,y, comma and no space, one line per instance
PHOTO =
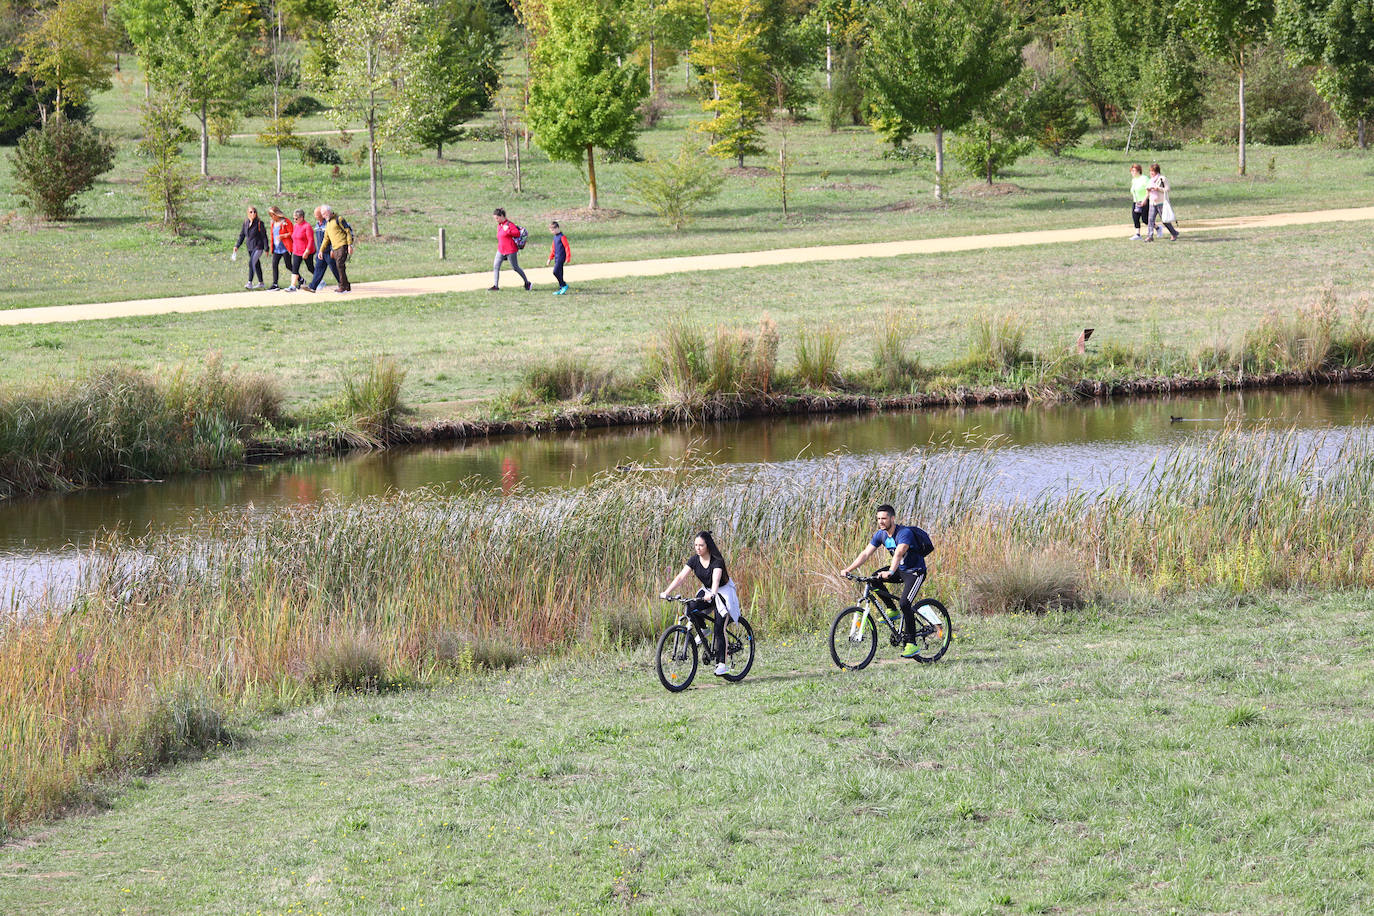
870,598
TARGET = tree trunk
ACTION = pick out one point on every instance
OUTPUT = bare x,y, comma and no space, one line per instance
1242,119
1359,134
827,56
372,167
204,138
591,174
653,85
939,163
278,150
439,151
519,174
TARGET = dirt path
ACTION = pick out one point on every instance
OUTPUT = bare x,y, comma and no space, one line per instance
583,273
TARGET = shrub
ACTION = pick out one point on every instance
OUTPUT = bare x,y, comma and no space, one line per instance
1027,581
896,370
181,721
1054,118
998,343
315,151
302,106
652,109
843,102
1282,106
985,153
568,378
1141,140
910,152
352,662
55,163
372,398
818,353
674,188
683,366
168,185
223,124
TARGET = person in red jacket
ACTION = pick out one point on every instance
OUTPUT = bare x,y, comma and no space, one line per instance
559,254
506,249
302,251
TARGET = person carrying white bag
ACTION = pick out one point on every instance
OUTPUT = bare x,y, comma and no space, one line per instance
1160,208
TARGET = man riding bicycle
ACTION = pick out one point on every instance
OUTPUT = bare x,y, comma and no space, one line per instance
908,545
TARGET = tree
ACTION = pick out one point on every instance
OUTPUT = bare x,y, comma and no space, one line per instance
70,52
168,186
1336,37
362,72
582,93
673,188
998,135
1229,30
57,162
731,55
932,64
457,69
201,55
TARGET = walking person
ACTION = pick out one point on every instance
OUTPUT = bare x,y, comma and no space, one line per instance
559,255
323,259
254,233
281,243
1160,207
302,251
717,592
506,249
339,236
1140,200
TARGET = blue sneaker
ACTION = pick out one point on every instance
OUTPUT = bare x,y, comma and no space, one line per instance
563,291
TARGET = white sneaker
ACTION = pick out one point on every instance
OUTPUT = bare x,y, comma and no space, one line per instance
1137,237
722,669
247,286
257,286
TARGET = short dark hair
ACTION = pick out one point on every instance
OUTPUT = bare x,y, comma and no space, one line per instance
554,224
499,211
885,508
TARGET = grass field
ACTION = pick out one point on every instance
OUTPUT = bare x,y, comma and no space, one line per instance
1201,755
841,187
469,347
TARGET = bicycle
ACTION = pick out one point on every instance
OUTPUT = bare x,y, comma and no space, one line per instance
854,634
681,643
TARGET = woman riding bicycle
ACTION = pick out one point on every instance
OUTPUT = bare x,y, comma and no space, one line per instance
716,591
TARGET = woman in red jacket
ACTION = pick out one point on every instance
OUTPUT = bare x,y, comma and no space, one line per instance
506,249
302,251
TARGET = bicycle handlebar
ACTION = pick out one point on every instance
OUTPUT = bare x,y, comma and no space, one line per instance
878,579
675,598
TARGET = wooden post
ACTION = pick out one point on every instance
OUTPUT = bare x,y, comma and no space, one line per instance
443,243
1083,340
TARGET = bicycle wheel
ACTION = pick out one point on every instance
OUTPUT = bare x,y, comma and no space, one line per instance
739,649
932,639
853,639
677,658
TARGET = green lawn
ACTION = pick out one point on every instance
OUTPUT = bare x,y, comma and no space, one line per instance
1204,756
841,188
472,346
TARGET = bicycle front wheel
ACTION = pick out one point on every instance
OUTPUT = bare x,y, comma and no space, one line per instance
677,658
739,649
934,630
853,639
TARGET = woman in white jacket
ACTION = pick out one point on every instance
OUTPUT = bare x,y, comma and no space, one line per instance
717,591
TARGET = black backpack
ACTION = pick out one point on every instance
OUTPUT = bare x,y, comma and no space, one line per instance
924,545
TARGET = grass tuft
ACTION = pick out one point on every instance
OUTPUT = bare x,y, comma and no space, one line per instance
353,662
818,355
1027,581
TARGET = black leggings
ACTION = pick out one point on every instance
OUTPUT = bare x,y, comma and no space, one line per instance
307,261
1139,214
254,264
911,584
277,258
702,606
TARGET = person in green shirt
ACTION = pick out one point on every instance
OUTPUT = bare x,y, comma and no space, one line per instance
1140,193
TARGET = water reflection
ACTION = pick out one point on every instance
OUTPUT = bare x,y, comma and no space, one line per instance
1037,447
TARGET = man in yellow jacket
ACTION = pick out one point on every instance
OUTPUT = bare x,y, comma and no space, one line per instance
339,239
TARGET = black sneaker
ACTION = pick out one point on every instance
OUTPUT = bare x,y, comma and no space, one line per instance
528,286
491,288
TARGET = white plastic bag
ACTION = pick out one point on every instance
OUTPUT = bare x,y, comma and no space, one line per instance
1166,212
234,255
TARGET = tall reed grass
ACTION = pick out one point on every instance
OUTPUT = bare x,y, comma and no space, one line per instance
818,356
685,365
121,424
271,612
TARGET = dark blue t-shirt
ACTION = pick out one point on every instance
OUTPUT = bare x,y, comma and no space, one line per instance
905,534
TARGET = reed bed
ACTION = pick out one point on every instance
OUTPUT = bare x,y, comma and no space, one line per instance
172,638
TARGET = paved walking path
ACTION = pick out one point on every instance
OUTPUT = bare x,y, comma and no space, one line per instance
583,273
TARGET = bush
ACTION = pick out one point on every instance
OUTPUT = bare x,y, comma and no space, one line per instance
315,151
895,369
302,106
984,153
652,109
674,188
181,722
1026,581
818,353
910,152
351,662
224,124
372,399
843,102
1281,106
1142,140
568,378
998,343
682,366
1054,119
57,162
